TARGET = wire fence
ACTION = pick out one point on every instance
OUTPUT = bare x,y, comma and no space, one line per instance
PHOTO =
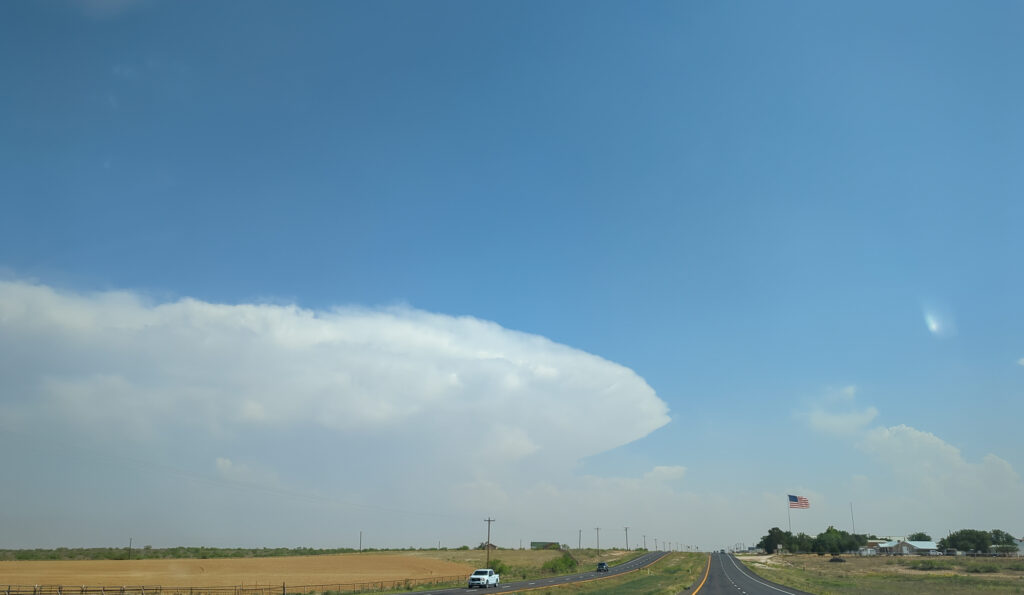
282,589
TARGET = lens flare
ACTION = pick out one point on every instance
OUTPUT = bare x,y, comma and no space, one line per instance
939,322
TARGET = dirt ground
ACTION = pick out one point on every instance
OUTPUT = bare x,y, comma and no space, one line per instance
297,570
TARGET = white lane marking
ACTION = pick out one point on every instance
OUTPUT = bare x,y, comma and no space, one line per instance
746,574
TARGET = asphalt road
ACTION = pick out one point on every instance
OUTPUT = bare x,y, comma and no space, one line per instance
728,576
514,587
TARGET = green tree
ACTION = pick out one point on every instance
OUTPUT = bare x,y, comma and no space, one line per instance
801,542
967,540
835,541
1000,537
1003,542
829,542
919,536
776,537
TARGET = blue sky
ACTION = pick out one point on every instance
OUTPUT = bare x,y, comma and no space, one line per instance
778,243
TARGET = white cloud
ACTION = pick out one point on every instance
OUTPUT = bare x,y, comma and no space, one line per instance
1020,361
847,422
932,478
390,396
665,473
836,413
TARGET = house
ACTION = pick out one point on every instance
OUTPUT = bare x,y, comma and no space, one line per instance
902,547
917,548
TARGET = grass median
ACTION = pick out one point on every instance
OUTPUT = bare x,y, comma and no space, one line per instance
675,573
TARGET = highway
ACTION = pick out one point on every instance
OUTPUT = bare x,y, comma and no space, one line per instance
515,587
728,576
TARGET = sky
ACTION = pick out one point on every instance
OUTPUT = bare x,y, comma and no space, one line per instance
275,274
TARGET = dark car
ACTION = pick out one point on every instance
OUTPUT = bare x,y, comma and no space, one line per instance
602,567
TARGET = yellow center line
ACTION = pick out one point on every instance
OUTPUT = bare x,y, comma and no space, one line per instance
706,572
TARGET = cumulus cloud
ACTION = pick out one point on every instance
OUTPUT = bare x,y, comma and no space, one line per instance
933,478
923,455
837,413
847,422
665,473
410,391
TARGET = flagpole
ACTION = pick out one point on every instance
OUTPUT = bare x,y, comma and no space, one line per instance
789,513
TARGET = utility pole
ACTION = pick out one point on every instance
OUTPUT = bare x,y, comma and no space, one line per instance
645,542
627,538
598,529
129,548
579,541
487,546
360,540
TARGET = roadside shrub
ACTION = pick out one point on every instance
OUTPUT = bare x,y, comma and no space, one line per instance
500,567
561,565
986,567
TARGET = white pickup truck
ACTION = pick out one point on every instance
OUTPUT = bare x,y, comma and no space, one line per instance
483,577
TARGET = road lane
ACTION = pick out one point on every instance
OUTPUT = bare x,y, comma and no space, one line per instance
728,576
518,586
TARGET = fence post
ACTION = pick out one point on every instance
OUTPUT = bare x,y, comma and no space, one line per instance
284,591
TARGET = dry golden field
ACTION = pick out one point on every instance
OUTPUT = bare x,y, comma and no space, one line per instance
886,574
295,570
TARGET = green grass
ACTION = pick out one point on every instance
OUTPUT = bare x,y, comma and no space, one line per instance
518,565
930,564
676,573
669,576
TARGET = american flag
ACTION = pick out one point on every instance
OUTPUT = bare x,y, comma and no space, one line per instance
798,502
